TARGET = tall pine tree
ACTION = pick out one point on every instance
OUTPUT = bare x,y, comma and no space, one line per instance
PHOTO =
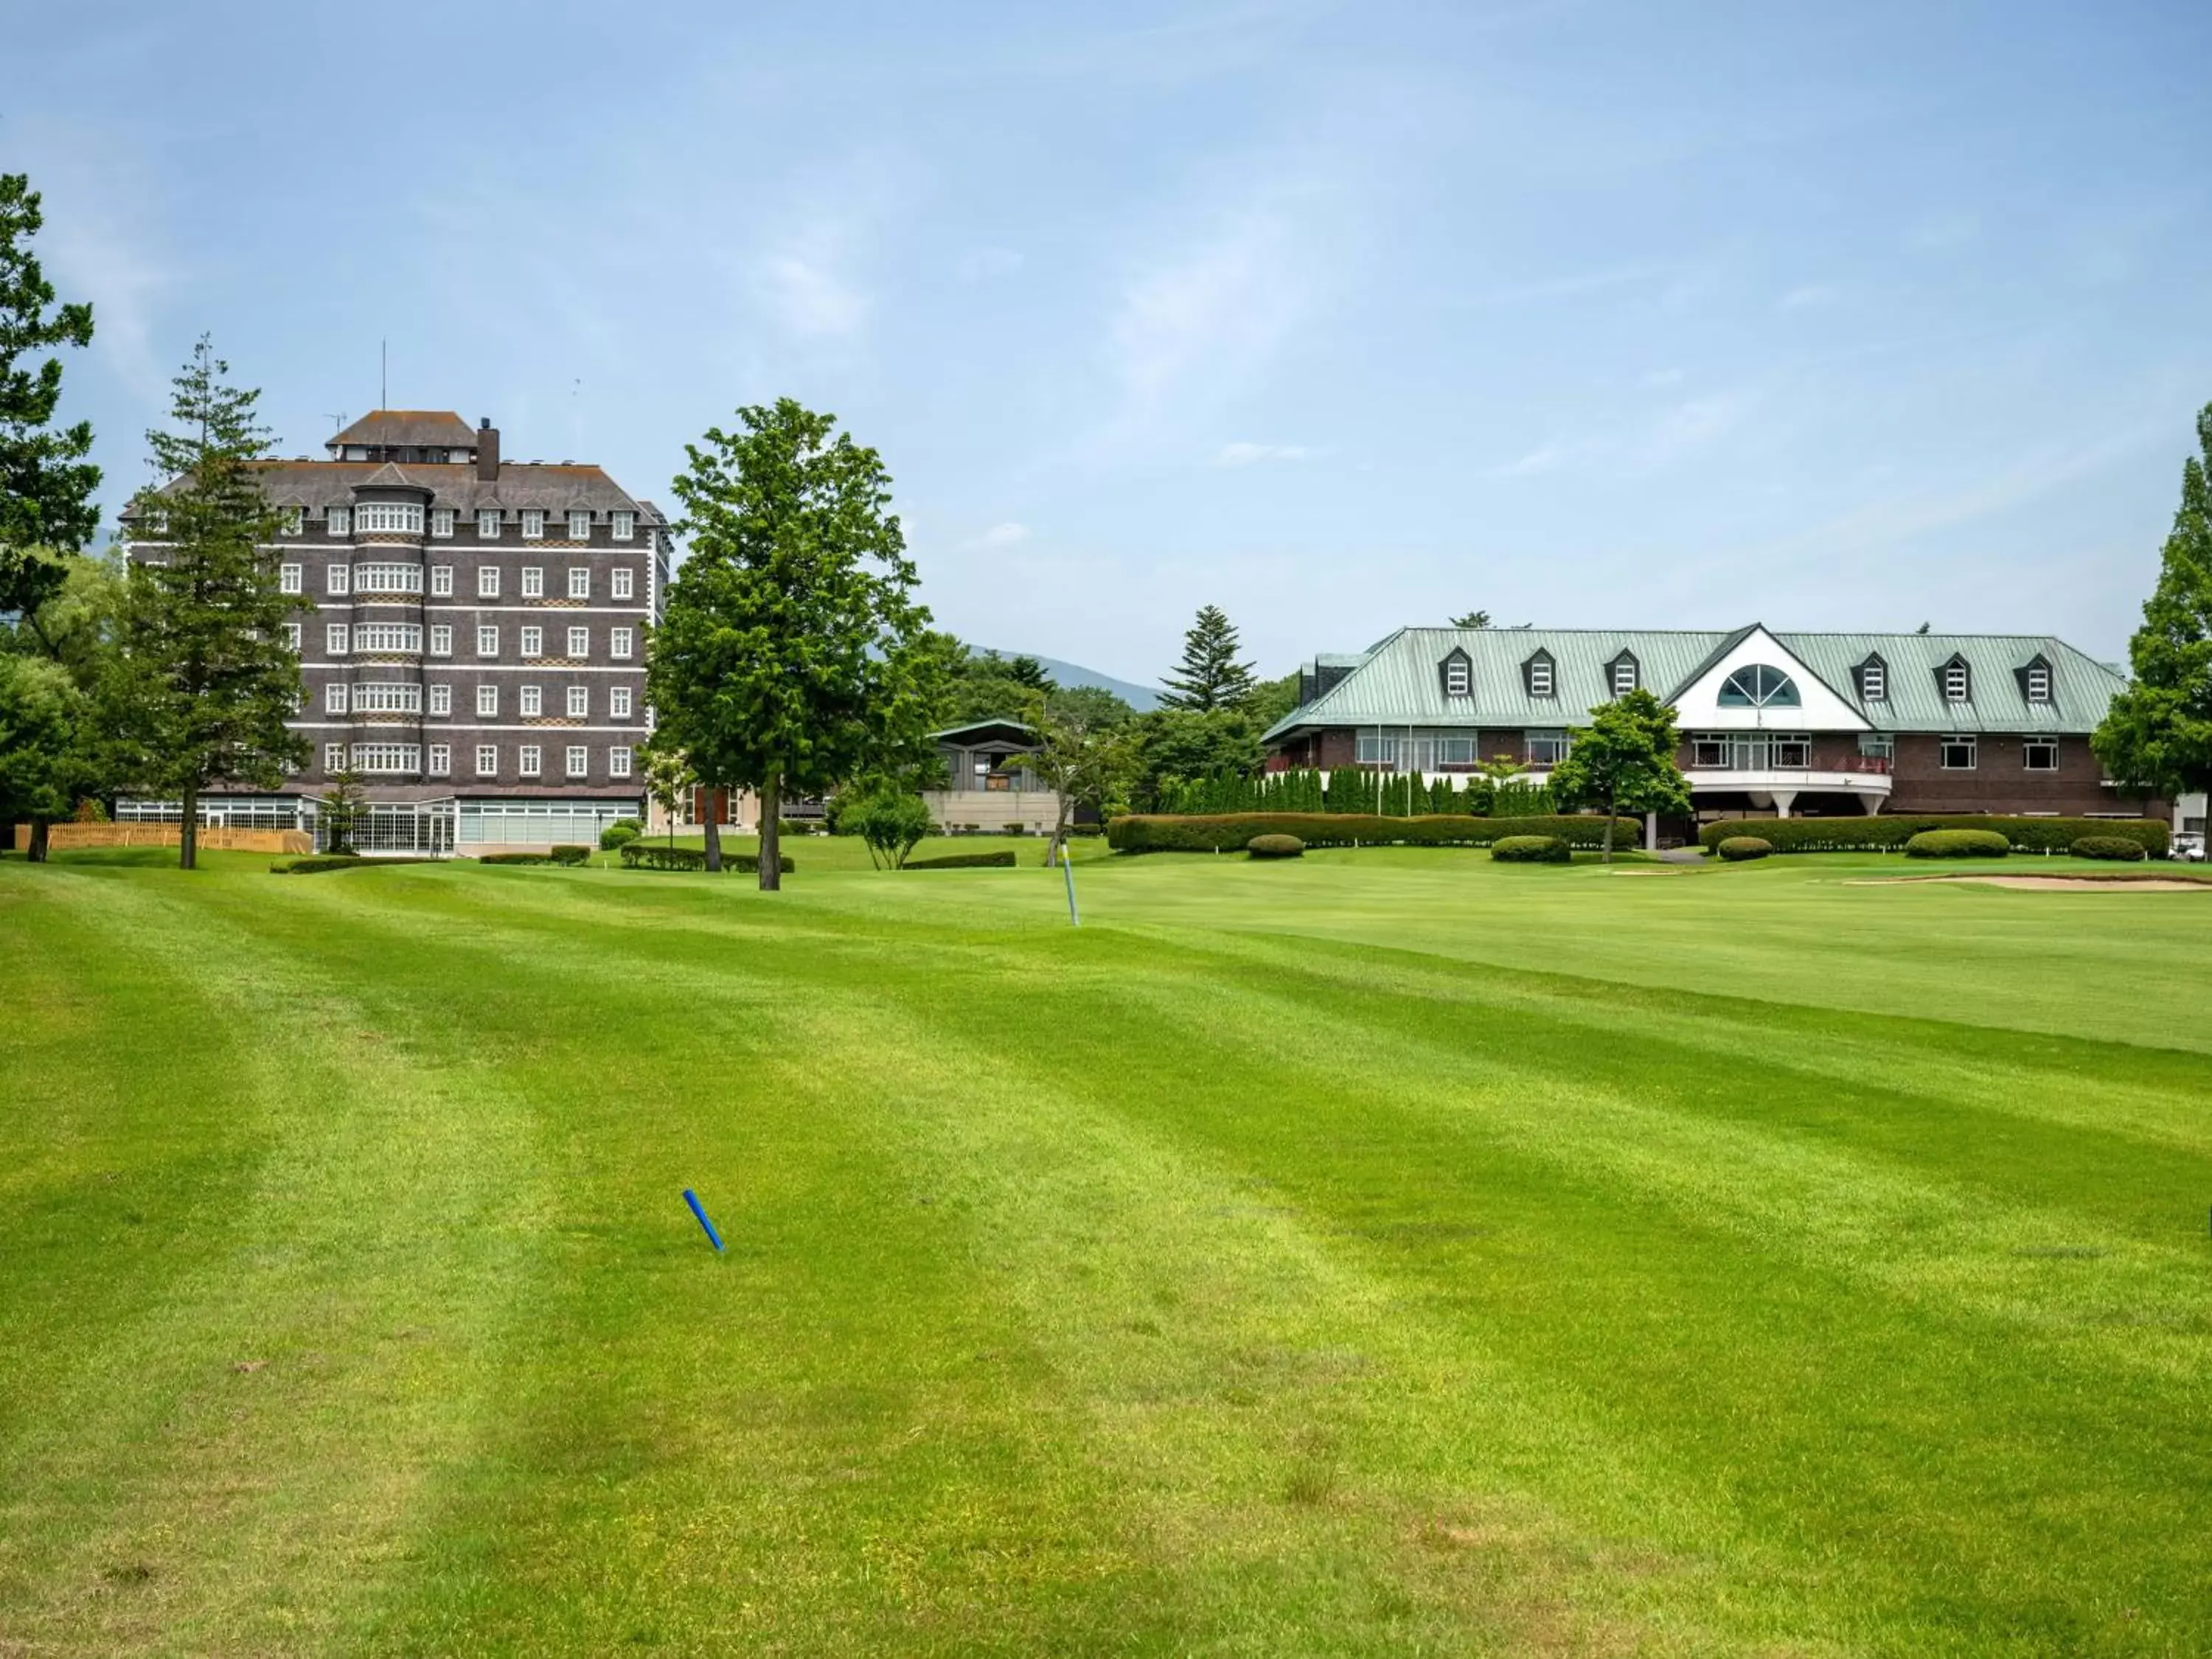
46,482
2157,735
203,680
1209,676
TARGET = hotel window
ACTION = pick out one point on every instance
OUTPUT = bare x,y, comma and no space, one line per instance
579,760
579,582
487,641
625,525
441,582
1957,683
527,763
441,759
532,702
487,760
1623,676
1539,676
338,577
334,698
441,523
292,636
442,639
389,518
295,520
488,524
487,582
1548,748
618,762
579,642
2038,683
533,526
486,701
1450,752
580,526
441,699
333,758
288,579
618,702
1957,752
387,636
533,641
2040,755
386,757
621,580
341,521
387,579
580,702
533,581
335,636
619,640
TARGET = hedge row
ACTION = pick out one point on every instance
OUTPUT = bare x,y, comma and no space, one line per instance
1842,835
1531,849
317,863
1152,832
998,860
651,856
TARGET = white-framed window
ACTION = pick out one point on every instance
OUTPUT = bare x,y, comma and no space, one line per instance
1957,752
1878,746
619,582
580,702
339,521
487,641
441,760
624,524
618,761
526,761
2040,755
441,698
335,638
533,524
580,526
385,698
533,581
1957,683
487,523
1548,748
1378,750
292,636
2038,683
288,579
579,582
579,642
1457,677
619,640
487,582
487,760
442,639
1874,683
486,701
441,523
441,582
405,637
580,760
296,520
618,702
1540,678
334,697
388,757
337,579
388,518
1624,676
534,701
387,579
333,758
1709,748
533,641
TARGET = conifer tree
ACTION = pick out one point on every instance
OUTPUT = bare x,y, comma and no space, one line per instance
1209,676
46,482
203,680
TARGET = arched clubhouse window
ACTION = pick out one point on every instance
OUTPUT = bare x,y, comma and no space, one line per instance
1755,685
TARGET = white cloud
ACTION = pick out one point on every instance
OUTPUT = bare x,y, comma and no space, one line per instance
803,287
810,271
1810,297
1244,454
1547,458
981,264
1002,535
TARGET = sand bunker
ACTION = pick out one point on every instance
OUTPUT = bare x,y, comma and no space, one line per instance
2058,883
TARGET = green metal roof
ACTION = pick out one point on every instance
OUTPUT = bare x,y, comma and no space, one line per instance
1400,683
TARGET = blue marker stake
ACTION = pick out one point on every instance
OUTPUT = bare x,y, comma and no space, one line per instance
1067,869
713,1237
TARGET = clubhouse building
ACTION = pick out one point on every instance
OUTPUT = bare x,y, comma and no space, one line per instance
471,632
1781,724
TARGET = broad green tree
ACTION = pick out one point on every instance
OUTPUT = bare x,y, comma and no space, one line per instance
202,680
1086,756
794,656
1181,745
1209,678
668,779
2157,736
890,819
1625,759
983,685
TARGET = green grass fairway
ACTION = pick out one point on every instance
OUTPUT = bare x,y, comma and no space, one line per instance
1385,1252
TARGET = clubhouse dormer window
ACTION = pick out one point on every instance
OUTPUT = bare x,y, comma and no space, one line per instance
1957,681
1623,674
1537,675
2035,680
1457,674
1874,680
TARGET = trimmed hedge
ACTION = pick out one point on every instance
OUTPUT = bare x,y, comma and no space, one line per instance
572,855
514,858
999,860
2117,847
1888,834
1957,844
652,855
1155,832
1531,849
620,833
1275,846
316,863
1738,849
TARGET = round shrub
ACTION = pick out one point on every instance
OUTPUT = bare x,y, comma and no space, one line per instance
2122,847
1531,849
1275,846
1738,848
1957,844
617,835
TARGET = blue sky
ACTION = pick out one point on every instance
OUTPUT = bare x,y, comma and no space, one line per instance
1341,316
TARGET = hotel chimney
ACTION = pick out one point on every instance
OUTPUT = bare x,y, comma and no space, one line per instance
488,452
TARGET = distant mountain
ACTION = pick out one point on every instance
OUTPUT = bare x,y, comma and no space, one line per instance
1139,698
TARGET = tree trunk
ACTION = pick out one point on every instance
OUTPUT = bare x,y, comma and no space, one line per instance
713,828
37,852
1058,850
771,834
188,839
1610,815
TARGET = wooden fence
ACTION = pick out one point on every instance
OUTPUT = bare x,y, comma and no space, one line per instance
73,837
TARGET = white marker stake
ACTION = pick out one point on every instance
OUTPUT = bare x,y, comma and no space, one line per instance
1067,869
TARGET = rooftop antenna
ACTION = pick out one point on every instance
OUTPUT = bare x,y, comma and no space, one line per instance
384,373
337,422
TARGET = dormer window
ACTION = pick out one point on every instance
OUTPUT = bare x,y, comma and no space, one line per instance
1536,675
341,521
1957,681
1458,675
625,525
2035,680
533,524
1874,680
488,524
1622,674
